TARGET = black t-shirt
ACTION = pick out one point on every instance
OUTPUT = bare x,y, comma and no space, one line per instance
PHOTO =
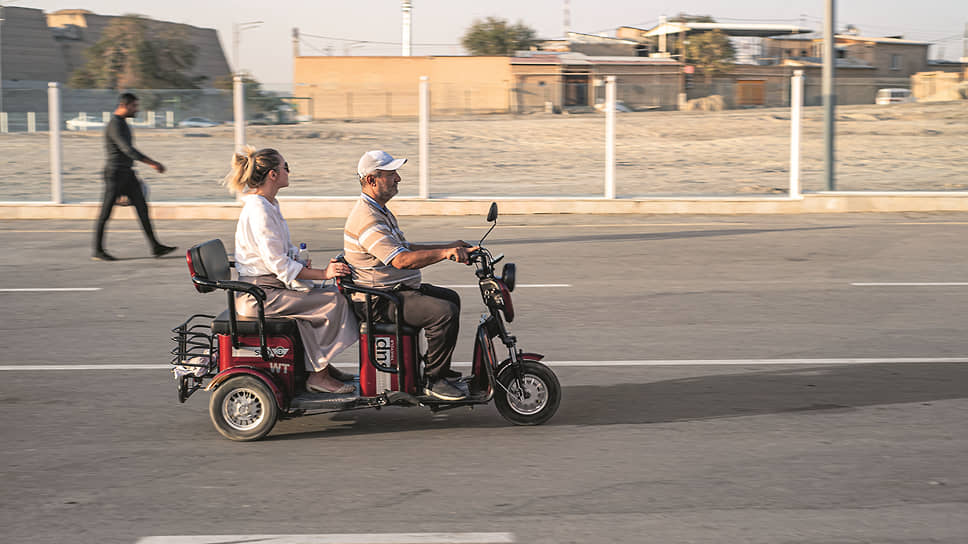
118,143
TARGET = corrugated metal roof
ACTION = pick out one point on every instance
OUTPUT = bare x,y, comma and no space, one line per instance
730,29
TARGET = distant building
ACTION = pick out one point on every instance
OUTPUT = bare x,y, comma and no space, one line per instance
593,45
668,38
364,87
36,48
889,56
75,30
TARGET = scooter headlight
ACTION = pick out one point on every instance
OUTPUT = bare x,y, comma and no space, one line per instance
507,276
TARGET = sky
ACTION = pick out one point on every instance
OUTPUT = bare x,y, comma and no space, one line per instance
372,27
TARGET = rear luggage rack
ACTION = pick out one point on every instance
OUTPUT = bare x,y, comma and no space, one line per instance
193,357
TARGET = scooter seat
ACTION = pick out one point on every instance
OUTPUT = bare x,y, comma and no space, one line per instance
249,326
389,328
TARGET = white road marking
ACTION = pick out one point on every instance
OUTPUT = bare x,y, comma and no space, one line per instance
47,289
474,285
378,538
912,284
749,362
628,363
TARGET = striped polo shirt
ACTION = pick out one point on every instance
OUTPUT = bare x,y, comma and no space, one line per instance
371,239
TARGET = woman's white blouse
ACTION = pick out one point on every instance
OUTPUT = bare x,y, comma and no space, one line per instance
262,243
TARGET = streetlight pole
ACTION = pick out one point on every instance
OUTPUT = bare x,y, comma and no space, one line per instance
237,29
238,85
829,93
1,58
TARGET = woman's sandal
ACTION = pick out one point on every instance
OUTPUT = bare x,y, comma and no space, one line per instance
341,389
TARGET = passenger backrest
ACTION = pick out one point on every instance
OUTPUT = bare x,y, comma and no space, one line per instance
208,261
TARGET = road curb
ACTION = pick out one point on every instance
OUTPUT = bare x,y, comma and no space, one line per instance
329,207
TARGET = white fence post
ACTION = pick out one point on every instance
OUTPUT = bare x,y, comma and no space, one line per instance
170,119
238,95
81,118
424,139
151,119
610,137
31,121
4,126
796,112
54,116
106,117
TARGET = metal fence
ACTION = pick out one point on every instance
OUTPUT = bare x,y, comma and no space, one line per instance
525,149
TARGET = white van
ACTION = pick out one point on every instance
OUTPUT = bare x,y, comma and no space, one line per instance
893,96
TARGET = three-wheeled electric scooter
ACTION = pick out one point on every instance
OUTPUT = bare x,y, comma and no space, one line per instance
255,368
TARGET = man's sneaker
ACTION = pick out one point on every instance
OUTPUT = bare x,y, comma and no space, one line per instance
444,390
450,374
103,256
162,250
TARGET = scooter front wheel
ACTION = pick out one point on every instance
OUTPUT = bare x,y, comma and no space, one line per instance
533,400
243,408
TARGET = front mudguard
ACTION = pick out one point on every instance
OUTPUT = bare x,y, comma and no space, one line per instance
537,357
254,372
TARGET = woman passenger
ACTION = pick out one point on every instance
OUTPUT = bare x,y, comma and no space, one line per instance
264,255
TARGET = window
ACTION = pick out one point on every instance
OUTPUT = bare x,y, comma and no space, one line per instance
895,62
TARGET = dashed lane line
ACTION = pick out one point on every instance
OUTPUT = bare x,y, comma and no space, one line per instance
350,538
47,289
911,284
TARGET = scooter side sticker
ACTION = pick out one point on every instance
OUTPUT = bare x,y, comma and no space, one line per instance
383,354
255,351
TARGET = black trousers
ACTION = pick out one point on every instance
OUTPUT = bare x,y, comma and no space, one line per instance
117,182
437,311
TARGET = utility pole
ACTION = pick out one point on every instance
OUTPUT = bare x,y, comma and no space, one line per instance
1,58
407,27
566,20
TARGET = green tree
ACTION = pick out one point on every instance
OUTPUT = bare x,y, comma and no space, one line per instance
711,51
494,36
257,99
132,53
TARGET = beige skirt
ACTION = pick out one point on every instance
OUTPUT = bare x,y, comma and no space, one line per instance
325,319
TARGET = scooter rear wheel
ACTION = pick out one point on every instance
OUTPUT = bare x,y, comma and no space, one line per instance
243,408
542,394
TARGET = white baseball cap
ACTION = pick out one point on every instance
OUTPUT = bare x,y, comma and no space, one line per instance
371,161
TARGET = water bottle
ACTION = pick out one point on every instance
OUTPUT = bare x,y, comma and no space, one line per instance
303,255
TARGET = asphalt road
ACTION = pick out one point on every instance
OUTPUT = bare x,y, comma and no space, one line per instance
821,396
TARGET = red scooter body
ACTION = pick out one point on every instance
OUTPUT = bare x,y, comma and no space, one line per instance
374,381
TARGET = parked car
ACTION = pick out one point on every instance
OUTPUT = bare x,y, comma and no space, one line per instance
86,123
197,122
894,96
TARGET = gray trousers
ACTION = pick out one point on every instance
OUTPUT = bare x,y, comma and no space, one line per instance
325,319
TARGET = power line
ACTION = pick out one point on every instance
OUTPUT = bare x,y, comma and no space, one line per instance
373,42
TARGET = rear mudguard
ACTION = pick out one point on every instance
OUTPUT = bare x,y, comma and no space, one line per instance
249,371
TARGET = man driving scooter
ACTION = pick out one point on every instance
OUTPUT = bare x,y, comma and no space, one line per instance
381,257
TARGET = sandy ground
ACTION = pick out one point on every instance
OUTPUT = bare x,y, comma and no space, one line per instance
898,147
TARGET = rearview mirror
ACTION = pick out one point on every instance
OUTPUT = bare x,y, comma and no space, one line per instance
492,213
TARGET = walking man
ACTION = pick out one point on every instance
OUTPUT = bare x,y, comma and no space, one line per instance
381,257
120,179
